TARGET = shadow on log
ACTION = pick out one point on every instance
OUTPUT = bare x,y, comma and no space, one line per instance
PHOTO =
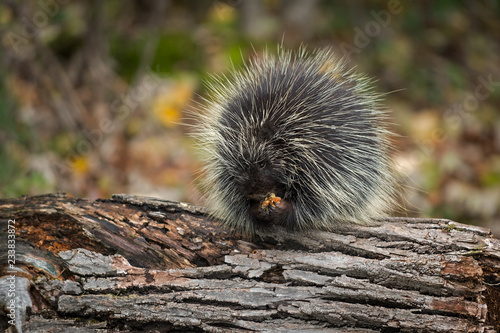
131,264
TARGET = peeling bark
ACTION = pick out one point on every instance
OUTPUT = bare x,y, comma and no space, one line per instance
142,264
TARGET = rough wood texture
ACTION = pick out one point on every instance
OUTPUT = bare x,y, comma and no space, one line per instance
142,264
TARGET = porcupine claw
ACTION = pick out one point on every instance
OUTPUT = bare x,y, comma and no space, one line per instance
270,203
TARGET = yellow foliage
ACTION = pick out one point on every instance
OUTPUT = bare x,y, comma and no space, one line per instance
168,105
80,165
222,12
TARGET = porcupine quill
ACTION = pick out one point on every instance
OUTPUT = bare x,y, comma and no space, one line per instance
297,140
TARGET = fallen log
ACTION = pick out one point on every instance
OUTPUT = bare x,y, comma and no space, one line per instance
142,264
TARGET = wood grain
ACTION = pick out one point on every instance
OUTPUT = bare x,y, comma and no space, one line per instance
142,264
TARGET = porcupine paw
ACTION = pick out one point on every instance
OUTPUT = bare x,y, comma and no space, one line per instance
271,201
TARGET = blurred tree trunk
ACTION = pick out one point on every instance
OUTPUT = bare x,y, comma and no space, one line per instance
133,263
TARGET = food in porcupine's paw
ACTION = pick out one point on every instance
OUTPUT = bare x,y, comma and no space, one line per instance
296,140
270,202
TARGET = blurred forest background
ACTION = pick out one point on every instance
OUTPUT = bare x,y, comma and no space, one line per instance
93,93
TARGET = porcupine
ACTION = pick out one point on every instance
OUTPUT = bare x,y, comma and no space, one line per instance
298,140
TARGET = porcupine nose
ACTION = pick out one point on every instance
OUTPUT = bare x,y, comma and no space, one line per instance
252,191
256,188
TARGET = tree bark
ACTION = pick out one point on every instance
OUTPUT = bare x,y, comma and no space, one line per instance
142,264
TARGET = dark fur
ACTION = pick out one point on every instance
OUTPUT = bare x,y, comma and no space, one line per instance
295,130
